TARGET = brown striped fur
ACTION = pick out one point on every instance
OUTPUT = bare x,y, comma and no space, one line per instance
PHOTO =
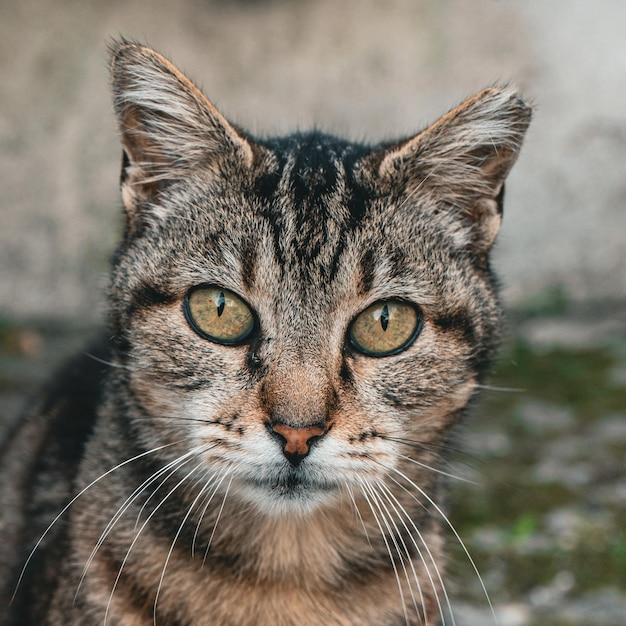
192,513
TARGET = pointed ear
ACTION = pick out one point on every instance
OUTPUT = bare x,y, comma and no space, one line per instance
168,127
464,158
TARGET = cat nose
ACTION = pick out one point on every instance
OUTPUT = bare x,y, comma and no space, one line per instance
296,442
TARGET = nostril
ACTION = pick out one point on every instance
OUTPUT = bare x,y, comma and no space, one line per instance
276,435
313,440
296,442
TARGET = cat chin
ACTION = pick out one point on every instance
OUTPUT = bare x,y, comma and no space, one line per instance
289,503
288,494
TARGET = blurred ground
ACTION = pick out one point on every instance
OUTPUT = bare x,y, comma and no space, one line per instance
545,521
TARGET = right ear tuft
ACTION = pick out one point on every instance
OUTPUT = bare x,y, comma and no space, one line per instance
463,159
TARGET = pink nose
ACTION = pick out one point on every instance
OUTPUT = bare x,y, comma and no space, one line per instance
297,441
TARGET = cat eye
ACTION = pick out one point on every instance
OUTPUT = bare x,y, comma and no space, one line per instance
218,315
385,328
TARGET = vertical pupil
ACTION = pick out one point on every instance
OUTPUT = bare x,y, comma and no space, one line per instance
221,303
384,317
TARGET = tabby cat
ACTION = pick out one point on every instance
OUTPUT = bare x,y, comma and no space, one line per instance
296,325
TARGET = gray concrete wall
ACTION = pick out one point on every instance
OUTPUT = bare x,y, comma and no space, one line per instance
364,68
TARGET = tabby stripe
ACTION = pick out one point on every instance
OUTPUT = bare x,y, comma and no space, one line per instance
457,322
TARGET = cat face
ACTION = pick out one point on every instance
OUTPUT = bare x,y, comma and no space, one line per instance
298,311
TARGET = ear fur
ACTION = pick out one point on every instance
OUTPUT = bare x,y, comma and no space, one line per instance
464,158
167,126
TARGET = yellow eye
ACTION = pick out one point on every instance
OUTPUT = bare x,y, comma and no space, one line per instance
386,327
218,315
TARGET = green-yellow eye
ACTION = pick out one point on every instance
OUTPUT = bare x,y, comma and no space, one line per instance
218,315
386,327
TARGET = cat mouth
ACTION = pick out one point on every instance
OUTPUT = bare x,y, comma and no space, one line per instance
292,482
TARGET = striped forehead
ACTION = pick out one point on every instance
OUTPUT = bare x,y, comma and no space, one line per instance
309,199
322,222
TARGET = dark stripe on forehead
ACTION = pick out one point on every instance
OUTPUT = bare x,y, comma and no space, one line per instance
264,194
357,198
368,268
266,185
314,172
358,195
248,256
311,200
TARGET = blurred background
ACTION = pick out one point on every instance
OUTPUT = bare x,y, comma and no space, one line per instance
547,450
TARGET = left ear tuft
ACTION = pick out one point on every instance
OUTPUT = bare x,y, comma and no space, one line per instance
167,125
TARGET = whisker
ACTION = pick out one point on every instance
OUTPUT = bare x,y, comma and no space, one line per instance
78,495
356,508
502,389
438,471
180,419
219,515
97,359
124,507
134,541
427,446
193,487
396,536
443,448
402,511
210,497
174,466
364,486
169,554
448,523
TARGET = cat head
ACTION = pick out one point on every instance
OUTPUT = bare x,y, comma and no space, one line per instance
297,311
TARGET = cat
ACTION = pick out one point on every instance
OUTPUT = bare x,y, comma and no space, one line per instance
296,325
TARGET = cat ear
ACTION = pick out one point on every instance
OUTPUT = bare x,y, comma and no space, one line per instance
464,158
168,127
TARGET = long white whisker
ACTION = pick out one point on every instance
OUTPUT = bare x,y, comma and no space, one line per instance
364,486
402,512
176,463
78,495
398,542
438,471
201,480
449,524
97,359
219,478
169,554
356,508
503,389
134,541
219,515
171,467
